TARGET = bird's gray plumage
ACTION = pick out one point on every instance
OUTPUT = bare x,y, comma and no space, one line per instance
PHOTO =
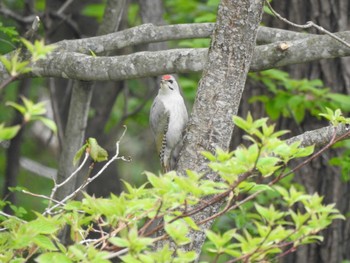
168,118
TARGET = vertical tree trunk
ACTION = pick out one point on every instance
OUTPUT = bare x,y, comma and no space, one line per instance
220,90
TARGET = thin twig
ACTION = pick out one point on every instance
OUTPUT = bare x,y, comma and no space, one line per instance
53,192
64,6
10,216
308,24
115,157
42,196
7,81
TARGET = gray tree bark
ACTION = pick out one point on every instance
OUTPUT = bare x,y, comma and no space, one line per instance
219,92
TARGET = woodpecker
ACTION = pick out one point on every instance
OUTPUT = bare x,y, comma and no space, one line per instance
168,119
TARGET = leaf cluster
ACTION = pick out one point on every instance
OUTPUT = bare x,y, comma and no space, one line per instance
293,98
31,112
129,226
16,65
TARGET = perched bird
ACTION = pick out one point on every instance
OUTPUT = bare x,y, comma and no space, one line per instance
168,118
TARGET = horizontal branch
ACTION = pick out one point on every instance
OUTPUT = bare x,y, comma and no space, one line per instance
320,137
311,48
149,33
66,64
144,64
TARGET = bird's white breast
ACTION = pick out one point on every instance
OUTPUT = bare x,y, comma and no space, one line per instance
175,105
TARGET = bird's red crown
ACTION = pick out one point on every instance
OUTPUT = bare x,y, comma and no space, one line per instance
166,77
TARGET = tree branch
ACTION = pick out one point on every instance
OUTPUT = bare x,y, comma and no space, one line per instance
219,93
68,64
144,64
149,33
321,136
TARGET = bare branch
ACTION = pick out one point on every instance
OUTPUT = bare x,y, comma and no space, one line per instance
149,33
66,64
64,6
143,64
89,180
17,17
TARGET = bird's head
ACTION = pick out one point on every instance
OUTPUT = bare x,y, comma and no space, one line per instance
168,85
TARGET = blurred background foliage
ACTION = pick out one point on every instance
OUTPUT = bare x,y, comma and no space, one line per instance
279,95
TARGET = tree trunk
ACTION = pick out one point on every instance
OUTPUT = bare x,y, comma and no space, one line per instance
319,176
219,91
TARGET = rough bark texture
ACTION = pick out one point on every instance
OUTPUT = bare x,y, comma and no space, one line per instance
74,135
220,89
319,176
142,64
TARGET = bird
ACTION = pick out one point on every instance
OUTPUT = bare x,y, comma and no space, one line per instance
168,119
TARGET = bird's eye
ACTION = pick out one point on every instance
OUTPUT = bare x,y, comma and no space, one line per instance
171,81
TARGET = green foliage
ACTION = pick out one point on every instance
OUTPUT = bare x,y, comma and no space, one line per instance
126,223
96,152
7,133
94,10
342,160
10,31
201,11
335,117
33,112
8,37
16,66
38,50
292,98
265,230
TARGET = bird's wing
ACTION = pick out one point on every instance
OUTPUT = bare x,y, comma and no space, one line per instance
159,121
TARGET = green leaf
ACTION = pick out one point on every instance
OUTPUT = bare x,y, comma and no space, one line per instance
97,153
94,10
191,223
133,241
17,106
342,99
38,50
209,156
53,257
79,153
48,123
185,256
7,133
178,231
241,123
44,225
303,152
120,242
44,242
6,63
